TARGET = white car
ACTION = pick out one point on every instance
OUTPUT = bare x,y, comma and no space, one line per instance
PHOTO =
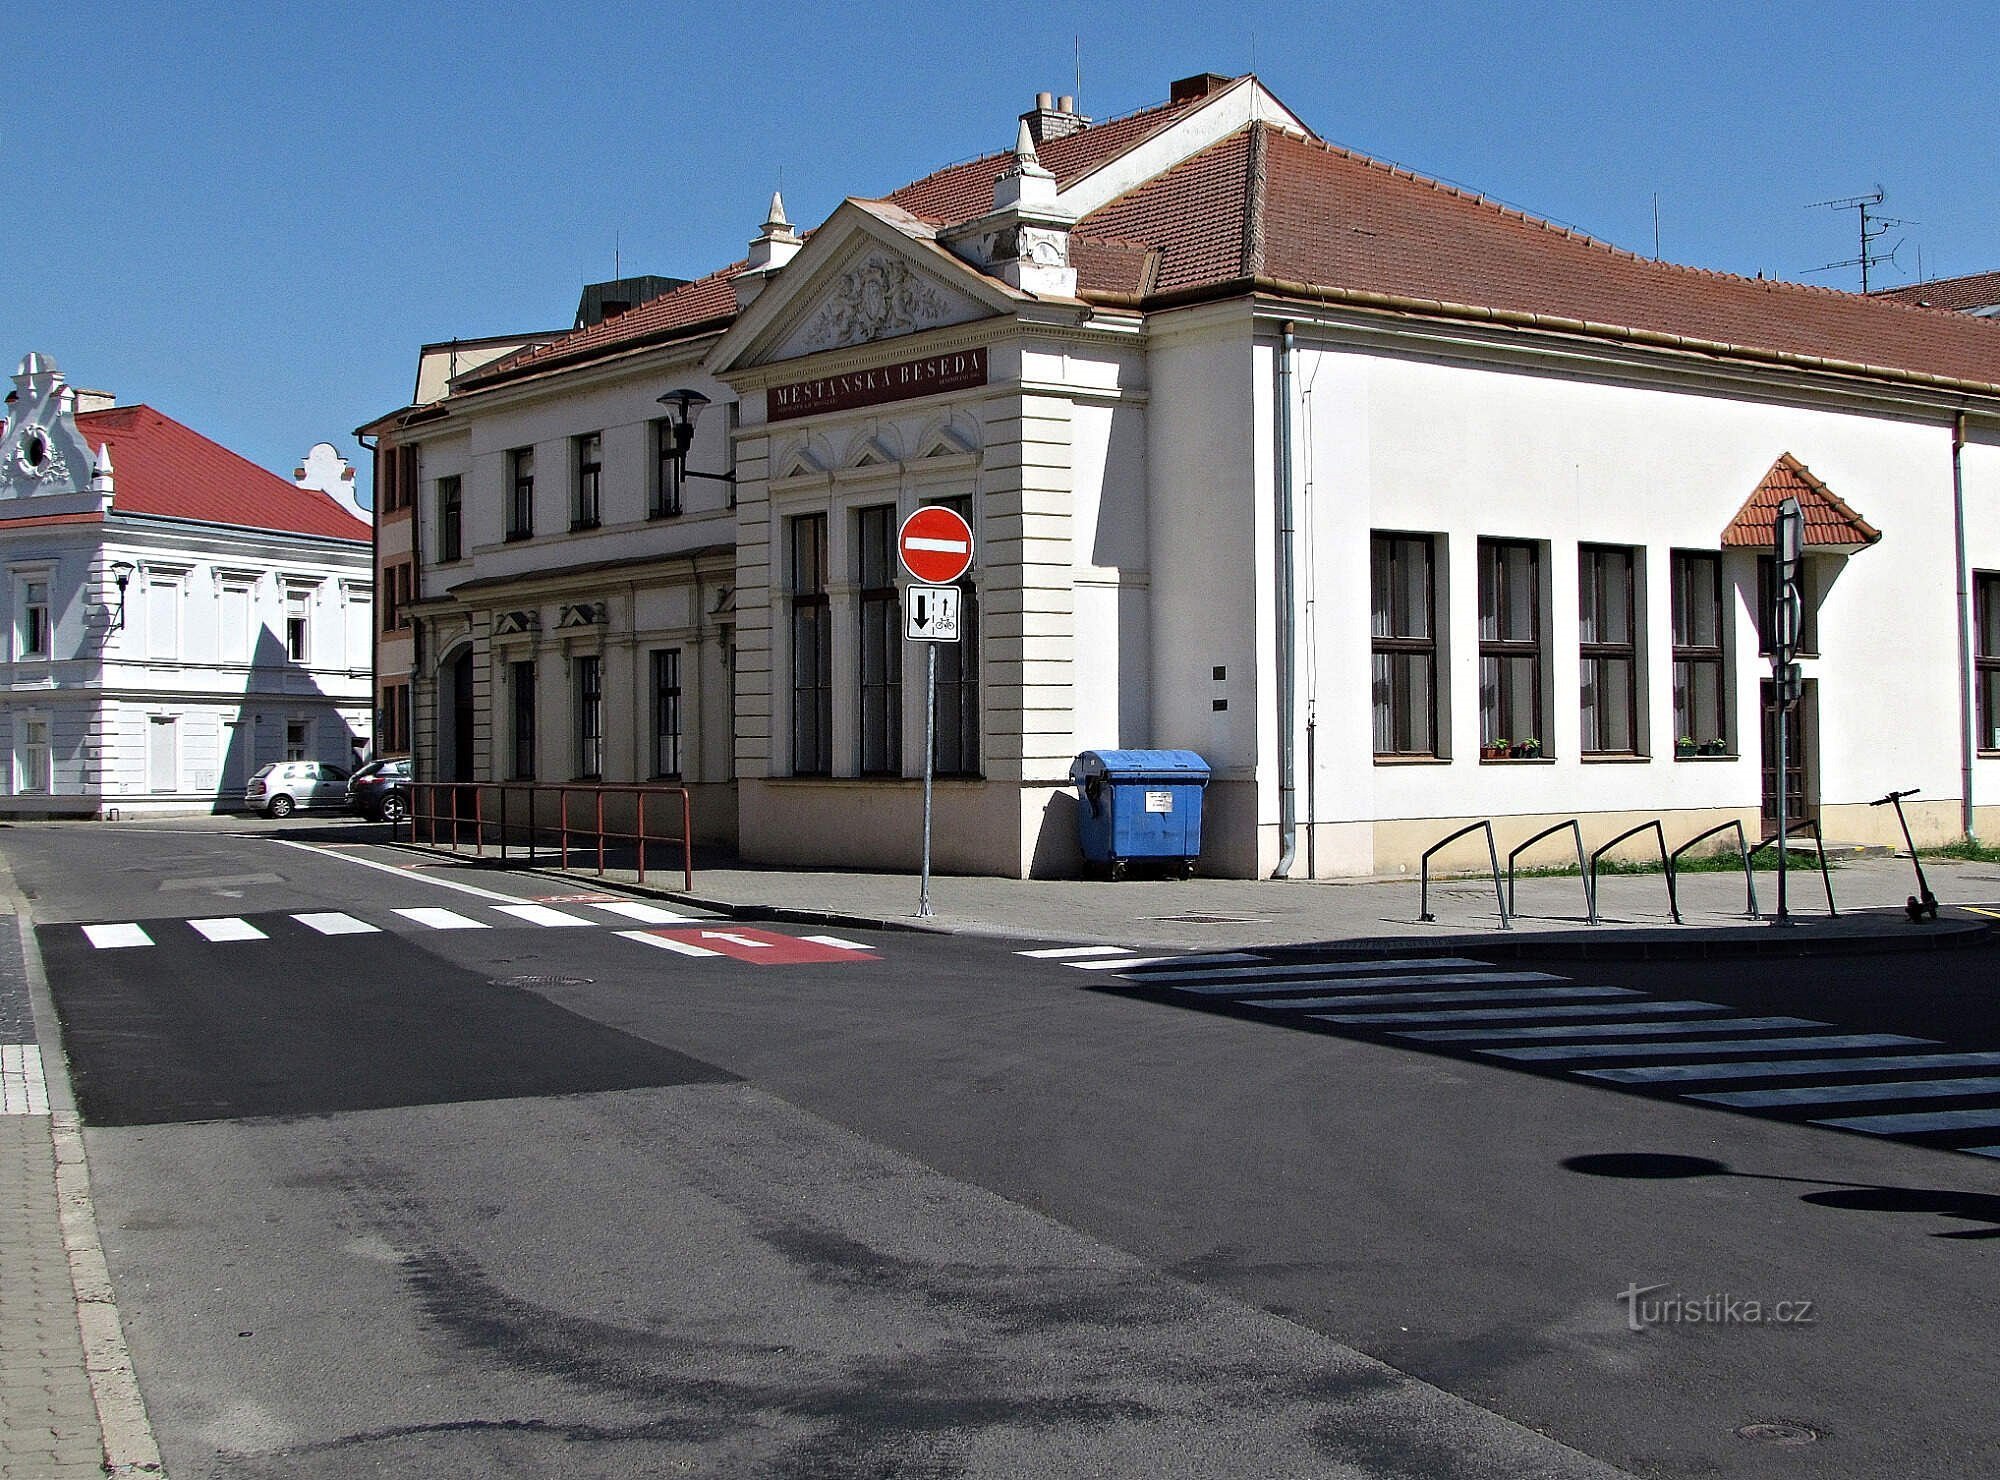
284,787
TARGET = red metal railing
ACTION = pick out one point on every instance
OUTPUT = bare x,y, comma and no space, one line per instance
504,815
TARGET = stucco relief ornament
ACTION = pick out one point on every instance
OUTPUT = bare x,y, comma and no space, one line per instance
879,299
38,457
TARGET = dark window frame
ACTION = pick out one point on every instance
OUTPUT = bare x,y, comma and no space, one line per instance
812,647
451,519
1692,657
521,698
1499,655
587,697
587,494
1598,654
665,501
878,651
521,493
668,739
1986,657
1390,648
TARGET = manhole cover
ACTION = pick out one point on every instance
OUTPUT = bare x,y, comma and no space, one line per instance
1786,1431
541,981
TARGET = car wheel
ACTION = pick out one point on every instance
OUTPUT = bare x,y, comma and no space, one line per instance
281,806
393,809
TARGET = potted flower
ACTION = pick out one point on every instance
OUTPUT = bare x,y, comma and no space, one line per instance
1684,746
1717,746
1529,749
1494,749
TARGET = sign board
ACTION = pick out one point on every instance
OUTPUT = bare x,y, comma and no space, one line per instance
1789,540
933,614
1159,801
928,376
935,545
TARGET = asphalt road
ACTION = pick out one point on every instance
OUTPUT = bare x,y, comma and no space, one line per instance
519,1197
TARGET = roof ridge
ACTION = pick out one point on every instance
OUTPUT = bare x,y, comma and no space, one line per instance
1253,197
1584,238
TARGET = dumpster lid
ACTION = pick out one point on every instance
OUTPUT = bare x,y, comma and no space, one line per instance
1142,765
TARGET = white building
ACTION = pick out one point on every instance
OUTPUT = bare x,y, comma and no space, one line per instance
1329,472
177,617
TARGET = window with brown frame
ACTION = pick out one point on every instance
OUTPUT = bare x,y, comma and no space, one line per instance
1403,624
1511,658
1607,643
1701,705
1986,656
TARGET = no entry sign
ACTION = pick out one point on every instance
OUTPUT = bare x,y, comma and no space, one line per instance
936,545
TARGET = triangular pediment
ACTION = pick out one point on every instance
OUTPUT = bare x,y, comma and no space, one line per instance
871,273
42,453
1831,523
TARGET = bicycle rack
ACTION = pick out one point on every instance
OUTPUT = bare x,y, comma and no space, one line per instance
1673,903
1573,825
1492,852
1825,881
1749,881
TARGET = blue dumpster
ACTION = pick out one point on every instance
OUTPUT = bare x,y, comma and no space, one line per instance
1139,804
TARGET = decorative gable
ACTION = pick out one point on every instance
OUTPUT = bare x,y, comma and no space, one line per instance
878,296
1830,523
43,453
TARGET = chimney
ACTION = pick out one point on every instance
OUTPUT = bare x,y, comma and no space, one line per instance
94,400
1198,86
1053,118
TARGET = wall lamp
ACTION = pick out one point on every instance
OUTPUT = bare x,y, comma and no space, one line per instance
683,409
121,572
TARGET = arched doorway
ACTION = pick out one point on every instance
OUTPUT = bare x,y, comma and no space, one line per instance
454,739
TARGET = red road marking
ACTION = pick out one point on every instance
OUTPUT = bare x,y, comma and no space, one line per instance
763,947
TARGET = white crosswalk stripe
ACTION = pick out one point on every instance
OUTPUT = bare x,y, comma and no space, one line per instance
666,943
1919,1123
1331,969
645,914
1834,1094
1060,953
443,919
1621,1030
540,914
332,922
1686,1047
1524,1016
227,929
1790,1068
116,937
1123,963
1300,997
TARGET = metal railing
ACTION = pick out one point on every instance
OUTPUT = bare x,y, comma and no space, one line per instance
507,815
1810,824
1673,901
1749,881
1574,827
1493,853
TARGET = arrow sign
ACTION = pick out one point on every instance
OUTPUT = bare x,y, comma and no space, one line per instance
935,544
933,614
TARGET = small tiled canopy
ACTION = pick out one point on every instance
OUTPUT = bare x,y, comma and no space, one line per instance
1830,523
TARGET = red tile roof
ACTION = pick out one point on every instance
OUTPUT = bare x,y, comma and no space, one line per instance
1978,290
161,467
1316,216
706,302
1828,518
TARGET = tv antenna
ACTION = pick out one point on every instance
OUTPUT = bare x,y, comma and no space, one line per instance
1873,228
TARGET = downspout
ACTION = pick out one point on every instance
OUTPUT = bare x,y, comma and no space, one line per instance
1287,622
1968,726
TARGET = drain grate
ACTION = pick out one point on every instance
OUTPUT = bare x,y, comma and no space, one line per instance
541,981
1785,1431
1200,919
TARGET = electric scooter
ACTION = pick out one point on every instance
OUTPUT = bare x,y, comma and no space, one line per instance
1923,903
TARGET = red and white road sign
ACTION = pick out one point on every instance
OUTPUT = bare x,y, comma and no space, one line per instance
759,947
936,545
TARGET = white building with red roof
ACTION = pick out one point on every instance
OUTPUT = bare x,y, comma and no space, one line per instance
1401,507
177,616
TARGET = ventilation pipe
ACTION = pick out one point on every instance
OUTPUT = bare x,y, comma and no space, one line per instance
1969,723
1287,615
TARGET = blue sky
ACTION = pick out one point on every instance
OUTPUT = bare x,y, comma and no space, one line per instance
251,217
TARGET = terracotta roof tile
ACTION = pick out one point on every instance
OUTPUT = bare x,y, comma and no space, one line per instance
1829,521
1978,290
706,302
1195,217
161,467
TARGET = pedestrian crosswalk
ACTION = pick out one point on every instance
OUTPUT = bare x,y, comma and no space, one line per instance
647,924
1806,1069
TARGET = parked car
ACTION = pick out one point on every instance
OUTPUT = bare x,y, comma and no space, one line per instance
380,791
284,787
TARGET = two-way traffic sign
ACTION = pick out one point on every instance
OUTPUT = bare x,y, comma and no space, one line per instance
933,614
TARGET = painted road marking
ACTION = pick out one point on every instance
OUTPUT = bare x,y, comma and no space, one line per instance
645,914
230,928
1919,1122
1058,953
837,943
23,1089
1328,969
759,947
1499,1015
1833,1094
116,937
1698,1046
1623,1030
1787,1068
1980,1150
665,942
332,922
1294,997
538,914
443,919
1115,965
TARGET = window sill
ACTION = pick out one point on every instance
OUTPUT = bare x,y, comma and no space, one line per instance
515,536
1412,760
1611,759
1517,760
578,526
1730,756
663,513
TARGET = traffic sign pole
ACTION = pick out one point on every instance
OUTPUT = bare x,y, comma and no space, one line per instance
930,769
935,546
1786,618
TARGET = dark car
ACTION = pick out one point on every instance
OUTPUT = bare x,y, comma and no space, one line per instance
380,791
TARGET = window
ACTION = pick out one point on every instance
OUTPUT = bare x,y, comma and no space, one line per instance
881,646
236,624
35,618
585,510
812,650
666,472
163,616
1700,705
298,739
392,722
392,590
588,680
520,493
521,686
395,478
1986,656
1767,607
298,627
1510,646
1607,619
451,529
1403,621
163,754
957,738
33,767
667,713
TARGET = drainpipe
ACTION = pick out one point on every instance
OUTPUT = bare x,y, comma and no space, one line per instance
1287,622
1968,726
